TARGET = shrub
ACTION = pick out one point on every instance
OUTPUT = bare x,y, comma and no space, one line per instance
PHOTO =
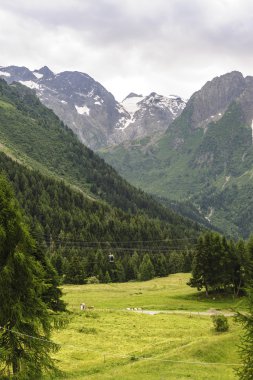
92,280
87,330
220,323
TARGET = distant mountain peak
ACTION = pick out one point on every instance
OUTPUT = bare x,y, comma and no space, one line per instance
173,96
91,111
45,71
133,95
152,94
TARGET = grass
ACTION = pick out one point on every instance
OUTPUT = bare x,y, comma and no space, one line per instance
169,293
6,105
108,342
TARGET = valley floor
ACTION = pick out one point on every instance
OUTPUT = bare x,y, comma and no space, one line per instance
111,342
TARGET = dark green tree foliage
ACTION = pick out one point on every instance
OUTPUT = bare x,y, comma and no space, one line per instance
246,349
220,323
147,270
66,224
176,262
23,311
248,254
217,264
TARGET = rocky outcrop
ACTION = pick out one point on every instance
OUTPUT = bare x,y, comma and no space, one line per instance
211,101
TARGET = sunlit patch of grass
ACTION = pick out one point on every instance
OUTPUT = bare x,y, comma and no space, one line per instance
169,293
127,345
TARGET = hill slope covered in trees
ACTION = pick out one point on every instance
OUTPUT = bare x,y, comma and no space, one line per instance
34,135
77,206
79,233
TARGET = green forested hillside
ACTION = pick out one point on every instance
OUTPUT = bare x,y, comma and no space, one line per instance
34,135
78,208
79,233
212,167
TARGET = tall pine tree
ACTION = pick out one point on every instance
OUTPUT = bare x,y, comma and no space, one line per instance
25,321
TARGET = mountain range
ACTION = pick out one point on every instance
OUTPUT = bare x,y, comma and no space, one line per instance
34,137
193,156
205,156
91,111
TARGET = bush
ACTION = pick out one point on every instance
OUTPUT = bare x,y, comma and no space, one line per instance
220,323
92,280
87,330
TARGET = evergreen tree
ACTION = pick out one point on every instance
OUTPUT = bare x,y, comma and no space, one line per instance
209,263
23,312
246,349
241,252
121,276
249,259
107,278
176,262
134,262
147,271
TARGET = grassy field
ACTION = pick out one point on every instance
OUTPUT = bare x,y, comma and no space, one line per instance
109,342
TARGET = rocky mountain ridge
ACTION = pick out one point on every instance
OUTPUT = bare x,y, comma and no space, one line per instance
205,156
91,111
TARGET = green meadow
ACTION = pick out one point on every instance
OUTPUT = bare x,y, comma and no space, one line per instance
110,342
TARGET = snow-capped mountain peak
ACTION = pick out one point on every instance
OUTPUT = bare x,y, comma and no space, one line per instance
91,111
131,103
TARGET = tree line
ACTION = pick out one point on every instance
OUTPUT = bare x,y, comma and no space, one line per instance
222,265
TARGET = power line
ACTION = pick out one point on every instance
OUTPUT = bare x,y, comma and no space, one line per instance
123,249
162,245
48,237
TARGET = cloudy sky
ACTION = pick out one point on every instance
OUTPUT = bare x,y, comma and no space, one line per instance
167,46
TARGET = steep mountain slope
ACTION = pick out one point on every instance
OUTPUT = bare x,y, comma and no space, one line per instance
35,137
205,155
91,111
56,211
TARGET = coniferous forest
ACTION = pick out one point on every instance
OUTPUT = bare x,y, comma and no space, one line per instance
78,234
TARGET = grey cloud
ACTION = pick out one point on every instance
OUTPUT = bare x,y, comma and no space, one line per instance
158,45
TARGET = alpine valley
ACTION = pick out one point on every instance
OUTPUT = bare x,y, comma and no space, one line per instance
195,157
76,205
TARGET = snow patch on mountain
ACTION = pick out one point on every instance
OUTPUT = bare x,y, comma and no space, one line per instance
84,110
99,101
138,109
131,103
173,103
38,75
4,73
30,84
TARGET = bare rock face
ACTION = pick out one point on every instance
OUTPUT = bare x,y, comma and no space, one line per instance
91,111
246,100
211,101
150,114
